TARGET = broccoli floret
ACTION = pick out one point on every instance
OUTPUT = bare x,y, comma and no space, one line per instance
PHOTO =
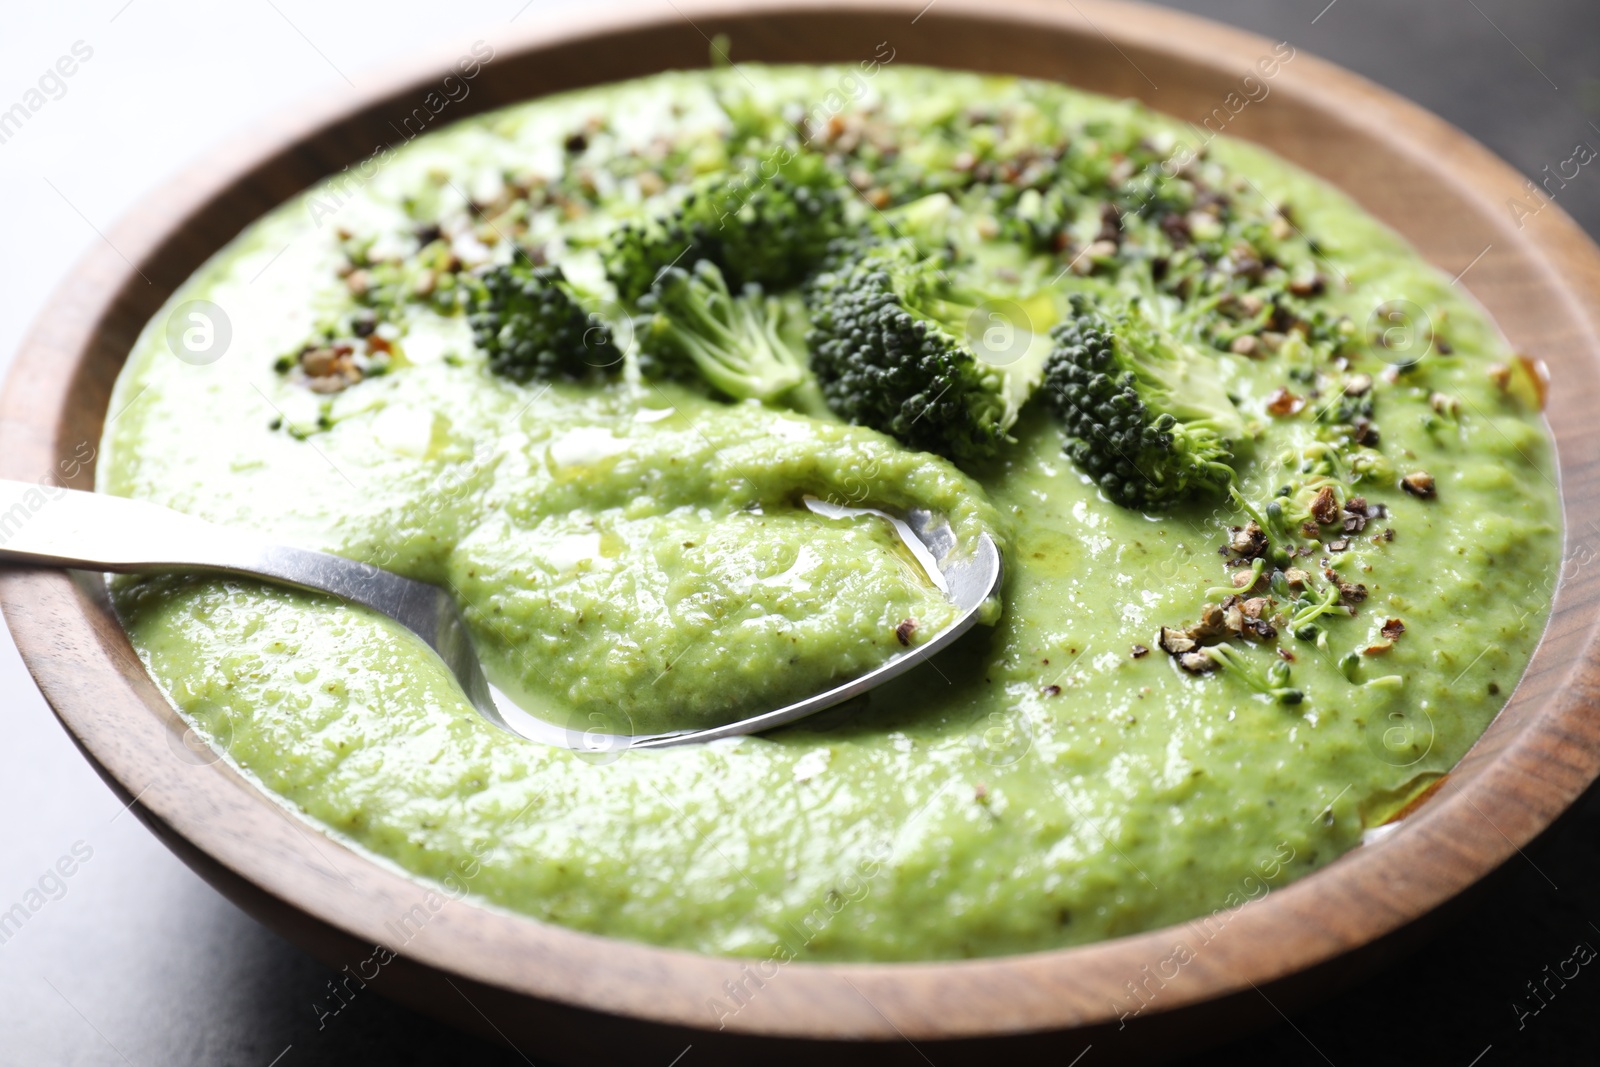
890,346
532,326
746,345
1145,414
768,230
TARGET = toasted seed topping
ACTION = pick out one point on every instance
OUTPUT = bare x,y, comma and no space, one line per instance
1282,403
1249,540
1175,642
1325,507
1419,484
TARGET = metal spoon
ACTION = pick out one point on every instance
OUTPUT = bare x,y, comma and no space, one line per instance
43,525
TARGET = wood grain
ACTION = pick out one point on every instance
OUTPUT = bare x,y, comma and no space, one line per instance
576,998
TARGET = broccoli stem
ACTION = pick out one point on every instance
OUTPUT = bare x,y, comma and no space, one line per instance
742,345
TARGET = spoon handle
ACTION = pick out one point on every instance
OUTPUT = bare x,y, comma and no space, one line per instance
49,526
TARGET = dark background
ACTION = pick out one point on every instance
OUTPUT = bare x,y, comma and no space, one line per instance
141,963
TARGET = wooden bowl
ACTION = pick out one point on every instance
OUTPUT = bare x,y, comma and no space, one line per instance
577,998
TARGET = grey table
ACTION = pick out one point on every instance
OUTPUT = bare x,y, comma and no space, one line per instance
134,960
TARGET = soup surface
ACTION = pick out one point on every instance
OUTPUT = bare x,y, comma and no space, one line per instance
632,549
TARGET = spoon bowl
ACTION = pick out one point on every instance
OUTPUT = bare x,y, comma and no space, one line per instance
968,581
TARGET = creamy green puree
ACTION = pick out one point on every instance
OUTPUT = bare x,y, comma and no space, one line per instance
632,552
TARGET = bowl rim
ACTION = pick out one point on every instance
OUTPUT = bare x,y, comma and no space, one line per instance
1539,756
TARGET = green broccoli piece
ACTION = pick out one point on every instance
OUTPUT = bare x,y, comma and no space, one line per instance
745,345
1145,414
768,230
899,344
532,326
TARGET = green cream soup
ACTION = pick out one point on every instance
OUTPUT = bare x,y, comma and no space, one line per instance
632,549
